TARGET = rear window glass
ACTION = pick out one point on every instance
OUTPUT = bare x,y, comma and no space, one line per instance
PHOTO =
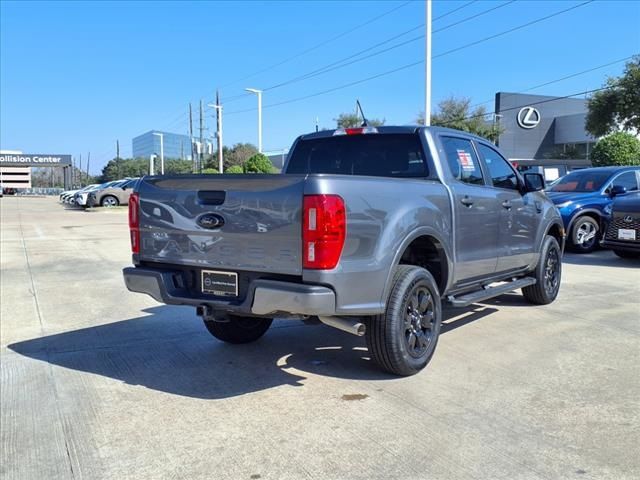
582,181
377,155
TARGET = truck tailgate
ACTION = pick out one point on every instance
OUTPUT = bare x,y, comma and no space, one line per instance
231,222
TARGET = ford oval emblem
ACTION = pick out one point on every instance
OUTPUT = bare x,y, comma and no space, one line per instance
210,221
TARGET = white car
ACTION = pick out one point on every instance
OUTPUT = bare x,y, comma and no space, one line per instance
68,196
80,198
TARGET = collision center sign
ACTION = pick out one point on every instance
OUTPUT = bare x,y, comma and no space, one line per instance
35,160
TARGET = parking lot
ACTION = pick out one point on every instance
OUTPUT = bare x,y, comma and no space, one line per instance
98,382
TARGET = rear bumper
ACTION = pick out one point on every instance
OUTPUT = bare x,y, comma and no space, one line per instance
264,298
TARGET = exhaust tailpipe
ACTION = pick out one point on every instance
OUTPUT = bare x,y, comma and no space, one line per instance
346,324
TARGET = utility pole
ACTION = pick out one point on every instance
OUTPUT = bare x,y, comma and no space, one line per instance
219,132
201,155
317,126
193,156
88,162
80,170
427,38
118,158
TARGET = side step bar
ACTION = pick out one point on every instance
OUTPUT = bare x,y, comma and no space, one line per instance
490,292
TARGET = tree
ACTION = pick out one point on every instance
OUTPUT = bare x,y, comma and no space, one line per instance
456,113
617,107
234,169
352,120
259,163
238,154
620,148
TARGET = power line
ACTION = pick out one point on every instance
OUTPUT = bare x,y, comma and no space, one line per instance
315,47
511,30
454,10
344,61
409,65
555,99
557,80
321,44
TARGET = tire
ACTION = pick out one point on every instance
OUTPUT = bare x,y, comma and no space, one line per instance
239,329
109,201
399,340
584,226
626,254
548,274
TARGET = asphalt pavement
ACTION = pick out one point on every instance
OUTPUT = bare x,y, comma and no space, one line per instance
100,383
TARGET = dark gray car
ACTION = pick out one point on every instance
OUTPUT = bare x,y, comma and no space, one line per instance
369,230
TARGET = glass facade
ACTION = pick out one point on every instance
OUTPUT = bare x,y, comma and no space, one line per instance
174,145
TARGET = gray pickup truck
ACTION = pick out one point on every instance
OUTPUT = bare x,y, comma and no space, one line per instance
368,230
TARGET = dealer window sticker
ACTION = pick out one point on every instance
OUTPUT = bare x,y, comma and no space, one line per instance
466,161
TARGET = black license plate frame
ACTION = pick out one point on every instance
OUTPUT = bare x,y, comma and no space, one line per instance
219,283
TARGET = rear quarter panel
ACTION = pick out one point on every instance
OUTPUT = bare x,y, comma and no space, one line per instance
383,216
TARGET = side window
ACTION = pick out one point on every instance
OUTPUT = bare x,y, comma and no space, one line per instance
627,180
462,160
502,174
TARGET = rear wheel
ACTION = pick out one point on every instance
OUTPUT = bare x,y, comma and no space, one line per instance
404,338
584,234
626,254
109,201
548,274
239,329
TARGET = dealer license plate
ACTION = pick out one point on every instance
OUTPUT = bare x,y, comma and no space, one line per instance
626,234
224,284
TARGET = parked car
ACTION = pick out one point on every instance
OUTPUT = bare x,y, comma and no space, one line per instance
368,229
582,195
622,226
68,195
113,195
81,198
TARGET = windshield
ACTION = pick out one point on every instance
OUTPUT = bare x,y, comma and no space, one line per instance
582,181
379,155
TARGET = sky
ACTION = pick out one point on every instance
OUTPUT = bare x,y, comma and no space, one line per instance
77,76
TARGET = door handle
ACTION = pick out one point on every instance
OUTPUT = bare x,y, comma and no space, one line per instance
466,201
507,204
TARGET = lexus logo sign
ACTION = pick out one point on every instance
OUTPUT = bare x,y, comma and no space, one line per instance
528,117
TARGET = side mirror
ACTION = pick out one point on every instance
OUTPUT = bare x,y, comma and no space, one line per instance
533,182
617,190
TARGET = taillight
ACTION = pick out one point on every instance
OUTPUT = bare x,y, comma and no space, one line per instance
355,131
324,228
134,222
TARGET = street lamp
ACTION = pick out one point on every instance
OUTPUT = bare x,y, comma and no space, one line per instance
259,94
161,151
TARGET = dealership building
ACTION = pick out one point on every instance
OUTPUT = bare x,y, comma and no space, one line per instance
544,133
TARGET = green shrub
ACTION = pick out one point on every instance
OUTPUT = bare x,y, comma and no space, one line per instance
210,171
258,163
619,148
234,169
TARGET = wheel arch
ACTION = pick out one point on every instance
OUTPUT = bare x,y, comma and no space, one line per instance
426,249
589,212
556,230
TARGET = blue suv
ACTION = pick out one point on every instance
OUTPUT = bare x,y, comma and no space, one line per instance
584,197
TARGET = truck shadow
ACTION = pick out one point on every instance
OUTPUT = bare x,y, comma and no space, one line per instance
171,352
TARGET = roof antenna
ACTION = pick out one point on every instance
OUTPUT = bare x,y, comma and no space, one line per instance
365,123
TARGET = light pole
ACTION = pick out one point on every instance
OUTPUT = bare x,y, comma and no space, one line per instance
427,93
218,108
161,152
259,94
152,161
